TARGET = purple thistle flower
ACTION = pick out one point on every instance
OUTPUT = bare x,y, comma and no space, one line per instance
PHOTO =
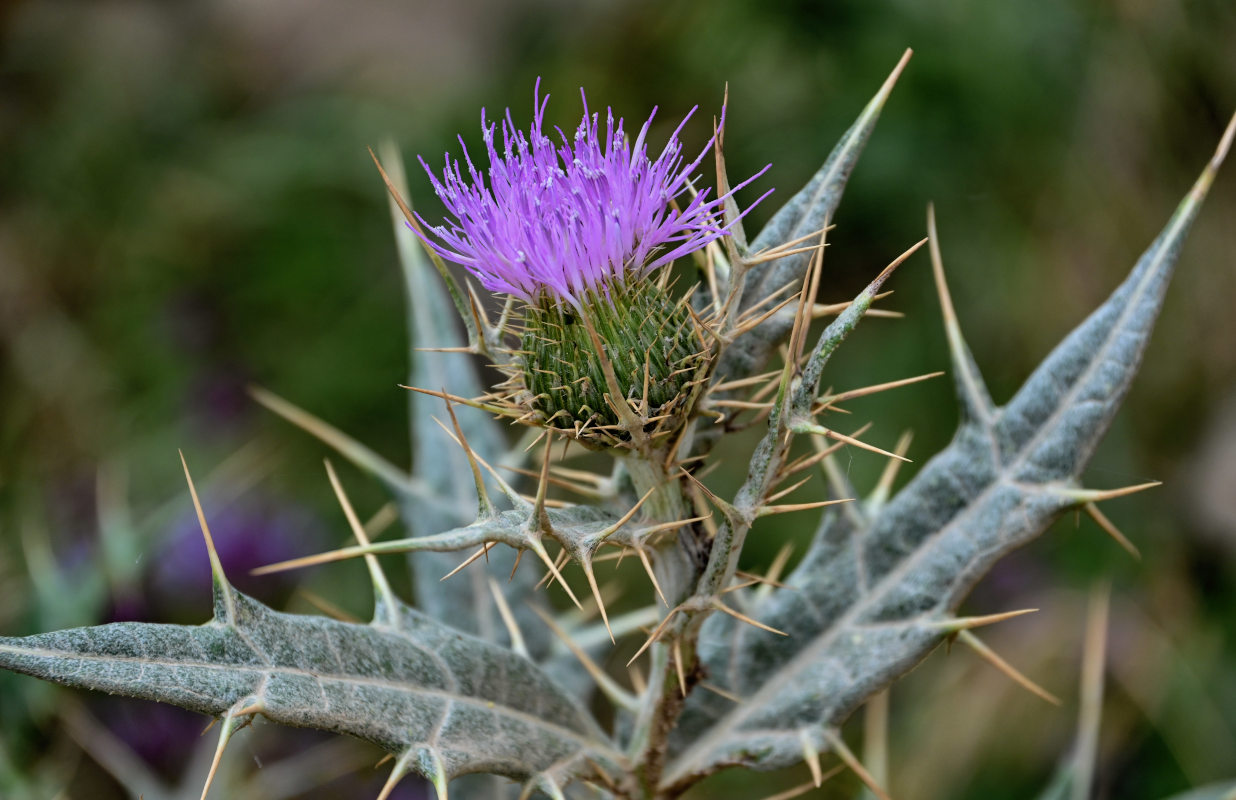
557,221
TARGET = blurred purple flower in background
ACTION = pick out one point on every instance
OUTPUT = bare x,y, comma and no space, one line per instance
248,533
558,221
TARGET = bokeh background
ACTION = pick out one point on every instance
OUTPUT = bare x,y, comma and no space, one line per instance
187,207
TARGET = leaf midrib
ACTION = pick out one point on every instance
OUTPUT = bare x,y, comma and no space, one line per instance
492,706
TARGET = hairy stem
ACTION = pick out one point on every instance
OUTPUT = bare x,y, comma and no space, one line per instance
648,474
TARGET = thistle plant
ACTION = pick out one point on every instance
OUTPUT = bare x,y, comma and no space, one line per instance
639,321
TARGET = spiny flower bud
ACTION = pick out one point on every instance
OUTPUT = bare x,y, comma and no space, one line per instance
654,346
577,230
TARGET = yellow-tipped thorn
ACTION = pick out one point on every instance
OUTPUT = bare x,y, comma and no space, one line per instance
802,314
1099,495
571,486
617,526
724,507
832,309
770,256
843,752
672,525
345,445
605,777
766,511
398,771
223,589
508,619
841,437
879,387
545,579
717,690
899,260
382,519
652,576
542,487
741,383
1005,667
788,491
478,309
889,82
1090,705
742,405
539,549
540,436
547,503
226,729
656,632
811,756
884,486
381,585
507,490
327,607
501,411
486,506
466,349
769,580
481,551
751,579
637,680
604,682
777,567
821,452
967,623
803,788
560,561
679,667
717,604
1111,530
596,593
342,554
746,326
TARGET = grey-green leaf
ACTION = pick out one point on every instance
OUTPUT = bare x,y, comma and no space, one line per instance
873,597
810,210
414,686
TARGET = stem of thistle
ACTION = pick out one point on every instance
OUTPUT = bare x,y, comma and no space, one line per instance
648,474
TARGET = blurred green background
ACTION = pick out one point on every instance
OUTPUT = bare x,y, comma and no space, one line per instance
187,207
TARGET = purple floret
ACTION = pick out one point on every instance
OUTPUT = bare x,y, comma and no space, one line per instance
556,221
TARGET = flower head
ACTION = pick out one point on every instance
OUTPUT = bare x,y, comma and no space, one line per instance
554,220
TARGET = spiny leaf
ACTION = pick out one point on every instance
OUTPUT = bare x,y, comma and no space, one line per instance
413,685
810,210
868,596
